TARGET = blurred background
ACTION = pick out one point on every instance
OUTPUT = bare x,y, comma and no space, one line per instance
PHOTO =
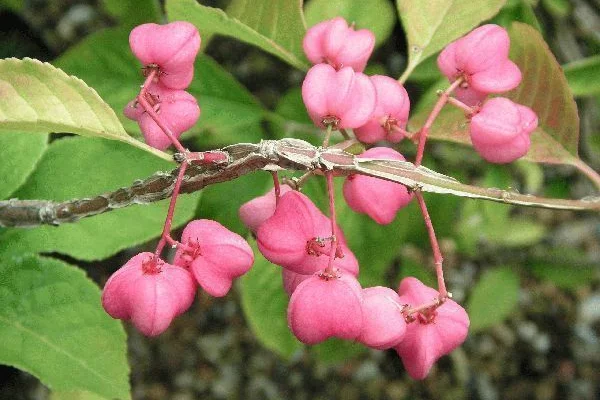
529,278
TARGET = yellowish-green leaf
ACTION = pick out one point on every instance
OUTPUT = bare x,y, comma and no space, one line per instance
37,97
274,26
431,25
75,395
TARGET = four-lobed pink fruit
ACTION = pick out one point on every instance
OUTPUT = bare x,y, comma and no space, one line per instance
340,99
256,211
177,109
325,306
481,59
391,112
218,256
296,237
149,292
172,48
383,325
339,45
500,130
433,334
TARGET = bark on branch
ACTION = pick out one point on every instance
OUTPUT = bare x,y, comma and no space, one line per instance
285,154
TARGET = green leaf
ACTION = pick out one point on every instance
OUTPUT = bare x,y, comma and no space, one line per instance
410,267
75,395
104,60
20,153
426,72
82,167
431,25
375,15
565,276
290,119
558,8
134,12
544,88
335,351
517,232
230,113
276,27
493,298
14,5
37,97
584,76
52,326
517,10
264,302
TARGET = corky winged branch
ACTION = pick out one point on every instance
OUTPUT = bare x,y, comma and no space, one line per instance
244,158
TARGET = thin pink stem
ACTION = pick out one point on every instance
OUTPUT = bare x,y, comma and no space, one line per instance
150,111
406,133
169,220
175,244
431,118
327,135
437,254
332,218
459,104
276,186
424,307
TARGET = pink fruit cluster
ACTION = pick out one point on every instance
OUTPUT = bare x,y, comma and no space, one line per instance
293,233
339,96
500,128
168,50
151,292
336,92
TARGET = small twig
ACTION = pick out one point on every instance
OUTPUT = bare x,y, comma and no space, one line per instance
244,158
459,104
150,111
169,220
432,116
435,247
334,241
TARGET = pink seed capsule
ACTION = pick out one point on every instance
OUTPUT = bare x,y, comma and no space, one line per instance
339,45
342,99
325,306
177,109
500,131
149,292
298,237
431,335
171,48
383,322
391,112
218,255
256,211
481,59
